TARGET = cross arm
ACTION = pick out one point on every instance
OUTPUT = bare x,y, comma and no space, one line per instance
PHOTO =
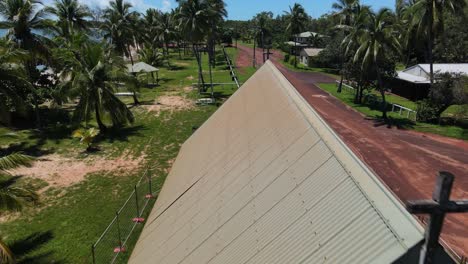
430,206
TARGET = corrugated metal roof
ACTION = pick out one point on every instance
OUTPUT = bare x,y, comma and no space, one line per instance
265,180
311,52
422,75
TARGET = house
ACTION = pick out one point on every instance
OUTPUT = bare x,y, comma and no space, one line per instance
266,180
414,82
305,37
306,54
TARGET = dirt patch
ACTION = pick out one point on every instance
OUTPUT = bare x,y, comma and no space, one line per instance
171,103
190,78
188,89
61,171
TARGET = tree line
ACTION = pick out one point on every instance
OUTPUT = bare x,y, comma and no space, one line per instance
67,52
366,45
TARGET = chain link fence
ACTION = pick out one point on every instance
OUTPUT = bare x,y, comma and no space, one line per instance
114,241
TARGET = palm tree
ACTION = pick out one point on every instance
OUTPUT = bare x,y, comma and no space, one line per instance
376,40
427,17
13,198
119,22
94,82
194,22
345,11
217,10
13,80
297,19
71,16
22,17
165,31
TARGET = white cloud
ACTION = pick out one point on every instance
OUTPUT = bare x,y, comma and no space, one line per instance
139,5
166,5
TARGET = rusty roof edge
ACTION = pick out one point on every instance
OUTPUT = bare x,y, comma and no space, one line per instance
401,222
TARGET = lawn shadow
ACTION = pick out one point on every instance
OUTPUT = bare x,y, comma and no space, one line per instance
23,248
120,134
177,67
27,149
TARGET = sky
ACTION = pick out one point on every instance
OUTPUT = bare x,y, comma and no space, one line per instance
246,9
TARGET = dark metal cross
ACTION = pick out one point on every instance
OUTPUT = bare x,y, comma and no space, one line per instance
437,208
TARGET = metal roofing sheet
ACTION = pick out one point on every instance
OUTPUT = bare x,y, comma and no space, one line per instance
265,180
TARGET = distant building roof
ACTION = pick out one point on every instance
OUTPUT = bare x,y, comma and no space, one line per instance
292,43
312,52
141,67
307,34
266,180
420,73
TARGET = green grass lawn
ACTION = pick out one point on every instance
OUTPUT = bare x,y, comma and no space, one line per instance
401,121
62,228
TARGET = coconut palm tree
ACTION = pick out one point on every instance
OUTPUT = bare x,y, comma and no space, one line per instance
22,18
194,22
94,79
119,25
345,11
427,17
13,198
165,31
71,16
297,18
13,80
376,40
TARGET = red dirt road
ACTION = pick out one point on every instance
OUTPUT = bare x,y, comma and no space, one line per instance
406,161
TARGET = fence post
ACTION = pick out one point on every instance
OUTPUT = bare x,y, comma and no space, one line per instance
94,256
118,231
136,202
149,186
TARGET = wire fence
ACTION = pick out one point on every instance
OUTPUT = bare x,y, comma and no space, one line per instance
114,241
375,102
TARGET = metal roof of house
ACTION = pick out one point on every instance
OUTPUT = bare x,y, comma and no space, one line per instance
312,52
307,34
266,180
141,67
422,76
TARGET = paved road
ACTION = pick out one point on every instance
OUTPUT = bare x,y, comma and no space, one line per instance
406,161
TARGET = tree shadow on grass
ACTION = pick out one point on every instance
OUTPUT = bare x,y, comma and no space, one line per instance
178,67
120,134
27,149
24,249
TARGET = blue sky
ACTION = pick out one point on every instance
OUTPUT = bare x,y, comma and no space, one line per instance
246,9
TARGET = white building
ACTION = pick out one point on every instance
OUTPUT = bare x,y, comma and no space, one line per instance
306,54
420,73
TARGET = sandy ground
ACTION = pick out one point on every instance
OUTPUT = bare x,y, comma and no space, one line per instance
406,161
59,171
170,103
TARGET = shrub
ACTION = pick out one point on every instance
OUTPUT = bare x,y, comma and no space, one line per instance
286,57
427,111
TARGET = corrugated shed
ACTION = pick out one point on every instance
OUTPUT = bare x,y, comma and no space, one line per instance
265,180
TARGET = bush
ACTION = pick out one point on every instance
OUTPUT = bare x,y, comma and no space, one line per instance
286,57
292,60
427,112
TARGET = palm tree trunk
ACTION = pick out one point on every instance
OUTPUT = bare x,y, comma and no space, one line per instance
382,94
37,113
101,125
135,99
431,42
295,57
201,81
